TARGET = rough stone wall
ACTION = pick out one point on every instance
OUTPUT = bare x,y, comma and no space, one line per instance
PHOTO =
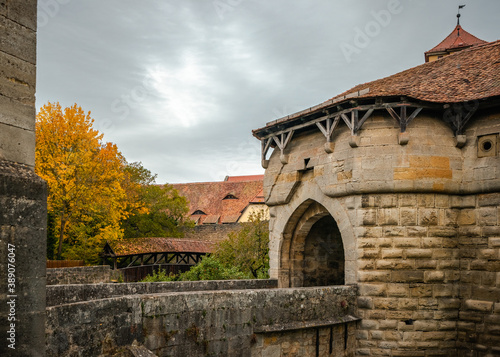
479,243
79,275
23,215
66,294
303,343
419,225
22,193
264,322
212,232
17,81
409,280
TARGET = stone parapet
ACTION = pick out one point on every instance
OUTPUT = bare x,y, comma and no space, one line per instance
79,275
228,323
66,294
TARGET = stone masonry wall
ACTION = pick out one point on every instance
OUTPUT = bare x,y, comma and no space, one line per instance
17,81
212,232
409,279
22,194
23,214
479,251
79,275
429,274
266,322
65,294
419,224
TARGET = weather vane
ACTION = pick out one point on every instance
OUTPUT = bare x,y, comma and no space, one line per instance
458,15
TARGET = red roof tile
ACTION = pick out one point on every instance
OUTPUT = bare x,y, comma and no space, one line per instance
259,198
467,75
458,38
244,178
158,245
209,196
473,73
230,219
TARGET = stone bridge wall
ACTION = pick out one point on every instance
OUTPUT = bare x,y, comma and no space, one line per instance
66,294
79,275
267,322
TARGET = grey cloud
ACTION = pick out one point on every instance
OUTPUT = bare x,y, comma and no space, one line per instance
219,77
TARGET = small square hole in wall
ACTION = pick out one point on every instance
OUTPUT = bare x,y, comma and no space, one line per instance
487,145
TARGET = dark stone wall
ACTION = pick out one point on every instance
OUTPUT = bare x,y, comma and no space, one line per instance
22,244
66,294
79,275
22,194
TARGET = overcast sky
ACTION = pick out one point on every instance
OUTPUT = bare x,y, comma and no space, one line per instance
179,85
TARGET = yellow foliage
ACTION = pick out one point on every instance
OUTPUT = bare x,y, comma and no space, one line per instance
83,174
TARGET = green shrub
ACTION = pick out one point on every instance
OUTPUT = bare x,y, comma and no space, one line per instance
211,268
159,275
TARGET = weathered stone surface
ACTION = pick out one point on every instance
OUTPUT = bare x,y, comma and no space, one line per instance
22,239
79,275
204,323
65,294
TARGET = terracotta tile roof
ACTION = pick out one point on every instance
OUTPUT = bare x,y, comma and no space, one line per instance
158,245
473,73
458,38
230,218
210,197
470,74
212,219
259,198
244,178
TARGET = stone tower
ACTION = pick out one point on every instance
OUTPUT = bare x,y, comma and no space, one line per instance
394,186
22,194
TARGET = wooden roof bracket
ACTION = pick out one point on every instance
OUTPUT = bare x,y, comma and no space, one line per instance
327,131
282,140
355,124
265,145
459,116
403,120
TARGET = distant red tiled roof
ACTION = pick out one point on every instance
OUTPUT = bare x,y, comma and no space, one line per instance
209,197
244,178
467,75
230,219
458,38
157,245
259,198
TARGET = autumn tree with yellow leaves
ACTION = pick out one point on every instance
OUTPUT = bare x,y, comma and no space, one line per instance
83,176
92,190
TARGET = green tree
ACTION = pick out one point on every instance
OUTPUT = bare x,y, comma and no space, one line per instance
247,249
158,210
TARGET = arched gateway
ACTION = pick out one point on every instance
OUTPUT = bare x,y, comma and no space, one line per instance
313,252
